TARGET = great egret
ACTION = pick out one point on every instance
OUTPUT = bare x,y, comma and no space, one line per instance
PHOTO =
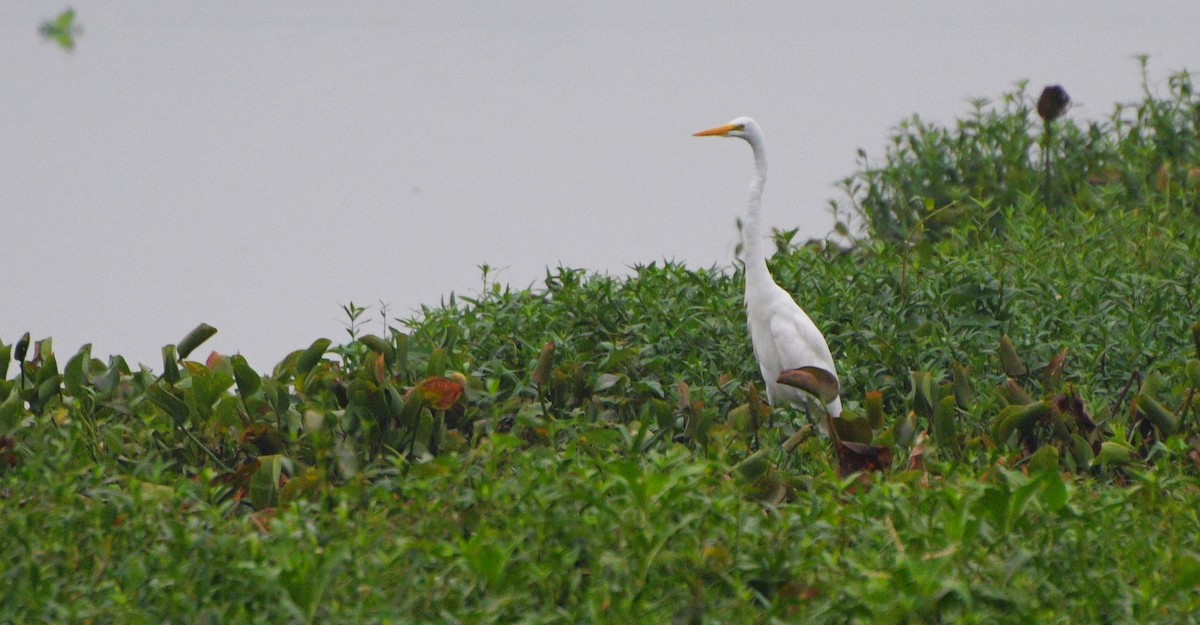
787,343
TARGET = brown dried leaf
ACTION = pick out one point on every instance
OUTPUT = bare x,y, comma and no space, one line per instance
819,382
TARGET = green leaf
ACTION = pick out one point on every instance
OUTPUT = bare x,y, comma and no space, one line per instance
194,339
165,399
264,485
1054,493
170,364
12,410
5,356
248,381
312,356
74,376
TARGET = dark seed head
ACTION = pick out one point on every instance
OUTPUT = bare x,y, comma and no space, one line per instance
1053,102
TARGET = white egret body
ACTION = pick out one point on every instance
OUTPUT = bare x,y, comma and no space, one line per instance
783,336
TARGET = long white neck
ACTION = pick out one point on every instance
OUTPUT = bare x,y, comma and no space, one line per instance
756,263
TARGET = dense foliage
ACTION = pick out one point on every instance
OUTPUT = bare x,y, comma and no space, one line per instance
595,449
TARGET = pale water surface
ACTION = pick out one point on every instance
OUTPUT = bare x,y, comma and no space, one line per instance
256,164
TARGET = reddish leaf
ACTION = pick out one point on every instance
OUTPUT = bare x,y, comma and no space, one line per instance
214,359
855,457
440,393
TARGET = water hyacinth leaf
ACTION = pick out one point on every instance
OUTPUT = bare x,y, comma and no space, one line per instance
379,346
48,370
1113,454
1009,360
858,457
311,356
436,392
1013,394
924,394
800,436
1193,373
1157,414
248,381
21,348
74,376
541,372
170,364
12,409
755,466
5,355
1081,451
1019,418
605,381
194,339
963,394
302,486
1055,493
905,429
168,403
854,428
1052,374
264,485
1044,459
874,403
685,395
945,424
437,363
816,381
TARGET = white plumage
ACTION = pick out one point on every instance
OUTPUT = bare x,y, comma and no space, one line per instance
784,337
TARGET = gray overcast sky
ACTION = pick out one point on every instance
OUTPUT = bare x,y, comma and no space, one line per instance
256,165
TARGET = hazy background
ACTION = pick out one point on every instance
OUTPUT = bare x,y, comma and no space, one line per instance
254,165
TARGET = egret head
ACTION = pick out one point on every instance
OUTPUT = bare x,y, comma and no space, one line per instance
742,128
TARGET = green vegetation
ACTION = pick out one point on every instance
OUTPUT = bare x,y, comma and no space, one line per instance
1021,443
